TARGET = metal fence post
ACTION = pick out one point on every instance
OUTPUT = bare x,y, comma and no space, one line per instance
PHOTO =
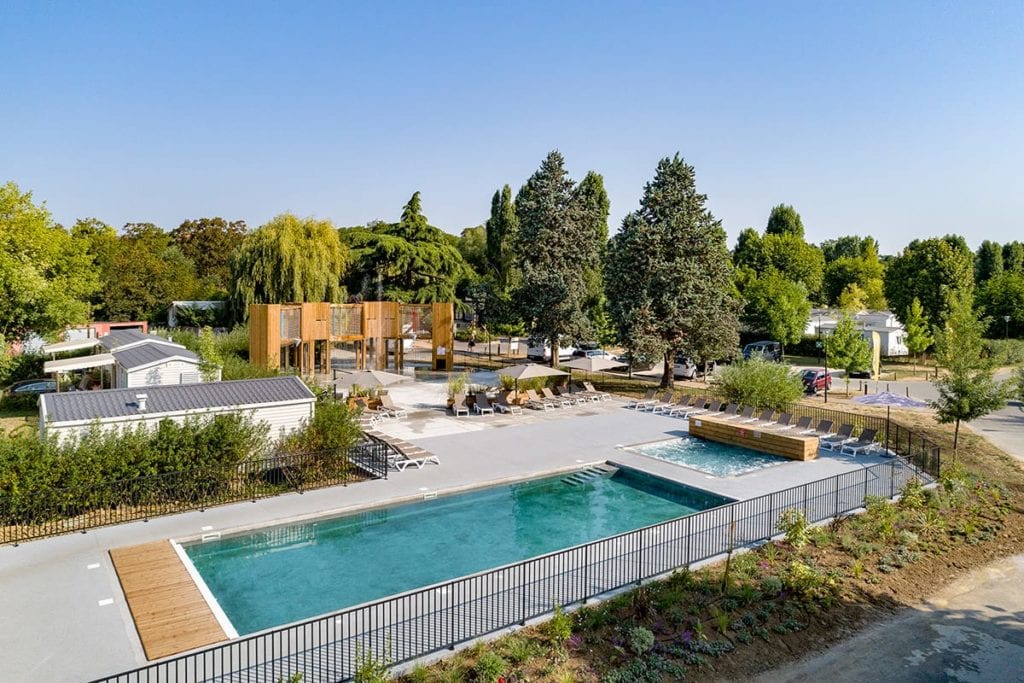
865,483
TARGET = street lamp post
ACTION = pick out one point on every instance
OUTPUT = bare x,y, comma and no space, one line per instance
828,379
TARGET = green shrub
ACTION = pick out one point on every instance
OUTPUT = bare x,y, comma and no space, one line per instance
371,668
795,526
490,667
559,627
771,586
639,640
912,495
759,383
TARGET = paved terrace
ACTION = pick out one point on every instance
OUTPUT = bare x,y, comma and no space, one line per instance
65,618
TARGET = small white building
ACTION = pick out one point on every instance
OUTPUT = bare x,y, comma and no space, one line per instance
892,336
282,403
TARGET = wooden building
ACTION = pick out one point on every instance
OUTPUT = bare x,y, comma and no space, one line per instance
377,334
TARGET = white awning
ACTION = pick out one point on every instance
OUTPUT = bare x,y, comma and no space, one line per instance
77,345
81,363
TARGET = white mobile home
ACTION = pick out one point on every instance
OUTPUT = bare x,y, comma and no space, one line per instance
149,364
283,403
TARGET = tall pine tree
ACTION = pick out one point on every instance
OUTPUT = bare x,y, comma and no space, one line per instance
502,232
668,275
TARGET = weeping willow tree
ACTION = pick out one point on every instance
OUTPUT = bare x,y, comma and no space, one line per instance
409,261
290,259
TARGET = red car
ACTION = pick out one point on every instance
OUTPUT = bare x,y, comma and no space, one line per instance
816,380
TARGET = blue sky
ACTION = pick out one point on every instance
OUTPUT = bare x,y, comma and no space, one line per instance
897,119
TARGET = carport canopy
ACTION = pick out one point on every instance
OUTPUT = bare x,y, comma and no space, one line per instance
80,363
76,345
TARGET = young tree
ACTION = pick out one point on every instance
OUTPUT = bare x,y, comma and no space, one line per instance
853,299
847,349
784,220
46,276
210,358
918,334
502,230
777,307
594,207
968,390
289,259
556,249
668,274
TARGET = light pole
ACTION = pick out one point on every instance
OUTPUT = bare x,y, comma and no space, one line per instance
1006,329
824,346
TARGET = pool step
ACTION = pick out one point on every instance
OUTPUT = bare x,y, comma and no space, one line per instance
589,474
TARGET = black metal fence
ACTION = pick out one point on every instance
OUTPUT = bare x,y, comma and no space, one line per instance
414,624
60,511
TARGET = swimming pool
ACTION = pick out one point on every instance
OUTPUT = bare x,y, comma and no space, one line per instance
710,457
282,574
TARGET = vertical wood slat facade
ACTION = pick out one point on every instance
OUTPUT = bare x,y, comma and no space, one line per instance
381,326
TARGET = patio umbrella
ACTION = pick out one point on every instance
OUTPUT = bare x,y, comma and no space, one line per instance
889,399
528,371
368,378
589,364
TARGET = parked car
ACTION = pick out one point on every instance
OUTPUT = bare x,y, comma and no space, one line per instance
771,350
816,380
31,387
637,363
686,368
860,374
543,353
592,353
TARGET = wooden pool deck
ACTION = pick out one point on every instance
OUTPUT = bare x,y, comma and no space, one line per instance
785,443
170,613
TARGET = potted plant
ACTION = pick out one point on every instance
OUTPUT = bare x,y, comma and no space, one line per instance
456,385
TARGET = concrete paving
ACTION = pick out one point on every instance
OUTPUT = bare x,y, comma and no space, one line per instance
65,617
971,631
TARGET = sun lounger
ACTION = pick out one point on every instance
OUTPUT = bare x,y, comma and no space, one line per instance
667,402
536,402
743,415
824,427
388,405
729,409
837,440
764,418
603,395
647,400
502,404
865,443
566,395
557,400
689,405
583,395
418,462
801,424
481,405
460,407
783,422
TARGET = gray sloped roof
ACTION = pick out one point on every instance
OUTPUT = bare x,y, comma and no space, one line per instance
75,406
119,338
148,354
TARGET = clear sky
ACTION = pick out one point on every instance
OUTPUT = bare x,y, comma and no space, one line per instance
898,119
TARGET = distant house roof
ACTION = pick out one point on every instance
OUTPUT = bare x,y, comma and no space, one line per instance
84,406
144,355
126,338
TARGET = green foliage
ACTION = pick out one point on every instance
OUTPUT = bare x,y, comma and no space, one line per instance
968,390
1004,352
912,495
793,523
209,244
847,349
288,260
490,666
931,270
46,276
15,367
334,427
784,220
639,640
502,235
777,307
796,261
749,251
210,360
668,274
919,336
1018,384
556,250
473,247
559,627
1013,257
988,262
1003,295
457,383
759,383
863,271
371,668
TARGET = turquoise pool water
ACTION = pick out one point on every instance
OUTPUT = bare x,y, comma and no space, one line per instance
282,574
710,457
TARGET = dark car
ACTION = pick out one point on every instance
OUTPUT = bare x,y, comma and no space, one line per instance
816,380
860,374
31,387
771,350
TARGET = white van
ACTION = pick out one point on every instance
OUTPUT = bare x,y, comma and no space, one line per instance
543,353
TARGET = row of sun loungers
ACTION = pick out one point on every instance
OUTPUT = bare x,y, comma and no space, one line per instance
841,440
548,399
403,454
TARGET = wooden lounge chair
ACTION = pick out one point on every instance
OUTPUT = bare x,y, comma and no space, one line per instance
602,395
864,443
460,407
837,440
536,402
389,405
643,402
801,424
557,400
502,404
481,405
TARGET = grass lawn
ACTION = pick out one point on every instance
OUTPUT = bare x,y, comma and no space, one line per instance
23,418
